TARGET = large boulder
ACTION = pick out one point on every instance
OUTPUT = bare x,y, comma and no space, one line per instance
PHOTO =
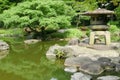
75,50
77,61
78,51
107,64
94,54
93,68
51,52
84,64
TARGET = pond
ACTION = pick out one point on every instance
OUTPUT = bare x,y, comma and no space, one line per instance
28,62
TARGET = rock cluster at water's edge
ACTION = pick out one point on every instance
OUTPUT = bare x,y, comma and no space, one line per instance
84,60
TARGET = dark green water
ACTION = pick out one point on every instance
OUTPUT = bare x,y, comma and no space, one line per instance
28,62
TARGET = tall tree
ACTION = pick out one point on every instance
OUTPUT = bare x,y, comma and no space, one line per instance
6,4
109,4
38,13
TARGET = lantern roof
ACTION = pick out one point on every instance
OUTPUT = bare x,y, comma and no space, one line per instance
99,11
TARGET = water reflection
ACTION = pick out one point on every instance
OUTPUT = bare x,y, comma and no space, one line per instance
4,53
30,63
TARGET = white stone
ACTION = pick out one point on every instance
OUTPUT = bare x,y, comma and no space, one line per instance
108,78
80,76
70,69
31,41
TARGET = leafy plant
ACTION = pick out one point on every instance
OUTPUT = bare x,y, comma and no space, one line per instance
114,28
117,11
73,33
38,13
115,31
59,53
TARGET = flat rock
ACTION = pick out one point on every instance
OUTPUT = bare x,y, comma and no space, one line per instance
95,54
93,68
78,51
108,78
80,76
77,61
71,69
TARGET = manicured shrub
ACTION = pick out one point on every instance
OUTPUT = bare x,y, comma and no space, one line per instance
73,33
115,33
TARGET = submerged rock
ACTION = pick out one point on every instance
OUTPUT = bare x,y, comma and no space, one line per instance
80,76
3,46
31,41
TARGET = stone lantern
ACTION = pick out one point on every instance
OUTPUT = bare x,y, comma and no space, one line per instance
99,27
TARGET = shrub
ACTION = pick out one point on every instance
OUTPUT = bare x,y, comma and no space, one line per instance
115,33
68,33
52,14
73,33
114,28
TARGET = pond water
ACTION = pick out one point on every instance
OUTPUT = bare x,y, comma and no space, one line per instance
28,62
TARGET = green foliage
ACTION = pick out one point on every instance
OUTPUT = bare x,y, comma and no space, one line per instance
114,28
6,4
57,35
51,14
114,33
59,53
15,31
117,11
73,33
69,33
11,35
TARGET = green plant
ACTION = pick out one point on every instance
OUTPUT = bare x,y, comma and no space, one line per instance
38,13
114,28
12,32
73,33
114,33
59,53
